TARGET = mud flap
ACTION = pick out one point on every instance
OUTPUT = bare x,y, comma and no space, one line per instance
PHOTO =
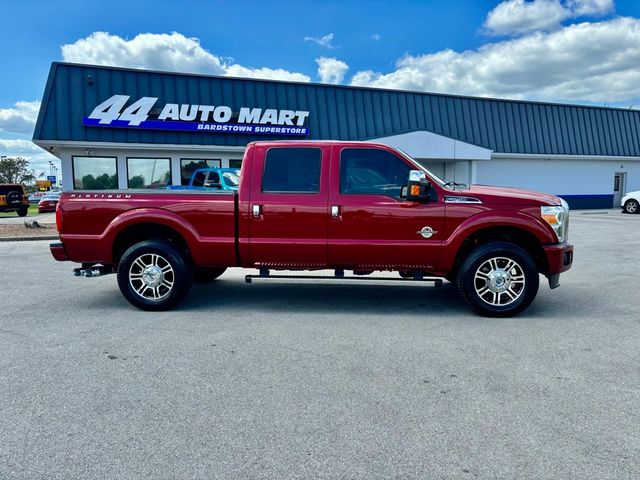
554,281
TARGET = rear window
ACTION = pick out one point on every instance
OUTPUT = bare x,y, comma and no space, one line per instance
292,170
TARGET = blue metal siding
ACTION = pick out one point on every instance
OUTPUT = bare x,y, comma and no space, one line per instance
336,112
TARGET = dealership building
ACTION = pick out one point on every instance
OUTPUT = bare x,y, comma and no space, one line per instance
128,128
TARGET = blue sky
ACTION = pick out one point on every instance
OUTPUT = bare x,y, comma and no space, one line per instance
579,51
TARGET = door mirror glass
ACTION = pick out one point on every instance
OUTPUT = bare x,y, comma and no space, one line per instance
418,187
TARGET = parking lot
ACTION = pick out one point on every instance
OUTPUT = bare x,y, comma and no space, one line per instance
295,380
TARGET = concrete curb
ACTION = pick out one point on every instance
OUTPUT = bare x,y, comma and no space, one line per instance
26,239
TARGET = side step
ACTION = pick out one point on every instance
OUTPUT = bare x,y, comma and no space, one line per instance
339,275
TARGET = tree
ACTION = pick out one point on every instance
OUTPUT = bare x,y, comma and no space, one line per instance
102,182
16,170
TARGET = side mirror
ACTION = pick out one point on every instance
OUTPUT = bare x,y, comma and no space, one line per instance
418,187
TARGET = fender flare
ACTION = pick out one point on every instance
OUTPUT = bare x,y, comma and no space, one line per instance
152,215
492,219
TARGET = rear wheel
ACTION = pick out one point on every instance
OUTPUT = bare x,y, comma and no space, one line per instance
498,279
631,206
153,275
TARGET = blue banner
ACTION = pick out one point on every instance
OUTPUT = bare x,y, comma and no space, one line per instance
236,128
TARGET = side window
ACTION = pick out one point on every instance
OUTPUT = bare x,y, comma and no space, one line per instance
372,171
293,170
198,180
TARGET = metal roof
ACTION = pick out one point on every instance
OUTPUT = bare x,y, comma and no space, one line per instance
336,112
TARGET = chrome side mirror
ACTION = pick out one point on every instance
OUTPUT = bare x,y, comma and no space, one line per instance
418,186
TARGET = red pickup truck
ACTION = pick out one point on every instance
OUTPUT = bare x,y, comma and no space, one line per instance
304,206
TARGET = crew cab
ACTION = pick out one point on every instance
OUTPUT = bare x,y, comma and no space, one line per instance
211,178
305,206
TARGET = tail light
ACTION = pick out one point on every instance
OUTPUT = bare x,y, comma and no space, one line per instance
59,218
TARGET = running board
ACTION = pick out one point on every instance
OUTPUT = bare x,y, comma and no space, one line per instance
339,275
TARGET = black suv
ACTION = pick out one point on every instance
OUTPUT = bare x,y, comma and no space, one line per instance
13,199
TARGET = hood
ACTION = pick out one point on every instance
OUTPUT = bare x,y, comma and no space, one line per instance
507,196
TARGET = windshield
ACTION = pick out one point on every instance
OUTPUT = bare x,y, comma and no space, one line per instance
438,180
232,179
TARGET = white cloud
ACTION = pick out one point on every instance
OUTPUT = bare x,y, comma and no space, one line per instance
19,119
38,158
331,70
590,7
324,41
520,16
588,62
170,52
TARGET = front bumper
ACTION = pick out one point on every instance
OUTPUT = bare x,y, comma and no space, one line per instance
58,252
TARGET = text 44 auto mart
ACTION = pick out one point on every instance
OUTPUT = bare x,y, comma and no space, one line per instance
116,128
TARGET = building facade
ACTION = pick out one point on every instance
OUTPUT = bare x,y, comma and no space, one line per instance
127,128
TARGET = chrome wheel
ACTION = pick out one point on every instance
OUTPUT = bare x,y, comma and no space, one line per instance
499,281
631,206
151,276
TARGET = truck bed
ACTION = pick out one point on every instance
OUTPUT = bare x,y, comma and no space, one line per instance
206,221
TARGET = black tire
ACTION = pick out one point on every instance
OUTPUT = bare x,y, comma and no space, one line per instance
631,206
166,285
22,212
498,279
14,198
206,275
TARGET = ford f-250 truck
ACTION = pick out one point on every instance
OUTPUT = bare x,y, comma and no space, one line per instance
304,206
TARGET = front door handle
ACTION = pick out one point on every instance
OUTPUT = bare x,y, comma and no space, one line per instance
335,211
257,210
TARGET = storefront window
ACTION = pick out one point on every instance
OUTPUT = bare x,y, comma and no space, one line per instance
190,165
148,172
95,173
233,163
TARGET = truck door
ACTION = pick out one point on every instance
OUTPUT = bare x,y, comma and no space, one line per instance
370,226
288,206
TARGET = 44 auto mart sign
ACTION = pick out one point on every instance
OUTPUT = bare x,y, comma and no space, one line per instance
115,113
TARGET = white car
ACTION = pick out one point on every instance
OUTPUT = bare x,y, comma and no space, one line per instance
630,203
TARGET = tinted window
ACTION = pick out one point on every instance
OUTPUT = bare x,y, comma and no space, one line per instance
199,178
372,171
292,170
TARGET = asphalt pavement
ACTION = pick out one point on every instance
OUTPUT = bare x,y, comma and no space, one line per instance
330,380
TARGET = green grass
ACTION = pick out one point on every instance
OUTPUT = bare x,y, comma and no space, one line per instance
33,210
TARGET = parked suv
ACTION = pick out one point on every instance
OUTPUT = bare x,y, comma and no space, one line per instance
13,198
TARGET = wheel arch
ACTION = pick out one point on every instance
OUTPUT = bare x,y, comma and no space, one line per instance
504,233
149,224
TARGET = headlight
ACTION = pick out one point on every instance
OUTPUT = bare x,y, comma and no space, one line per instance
558,217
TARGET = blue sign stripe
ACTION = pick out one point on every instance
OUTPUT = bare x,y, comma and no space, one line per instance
237,128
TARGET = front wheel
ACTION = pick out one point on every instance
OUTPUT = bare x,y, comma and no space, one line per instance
498,279
153,275
631,206
22,212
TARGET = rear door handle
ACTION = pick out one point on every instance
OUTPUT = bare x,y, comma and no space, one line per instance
335,211
257,210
